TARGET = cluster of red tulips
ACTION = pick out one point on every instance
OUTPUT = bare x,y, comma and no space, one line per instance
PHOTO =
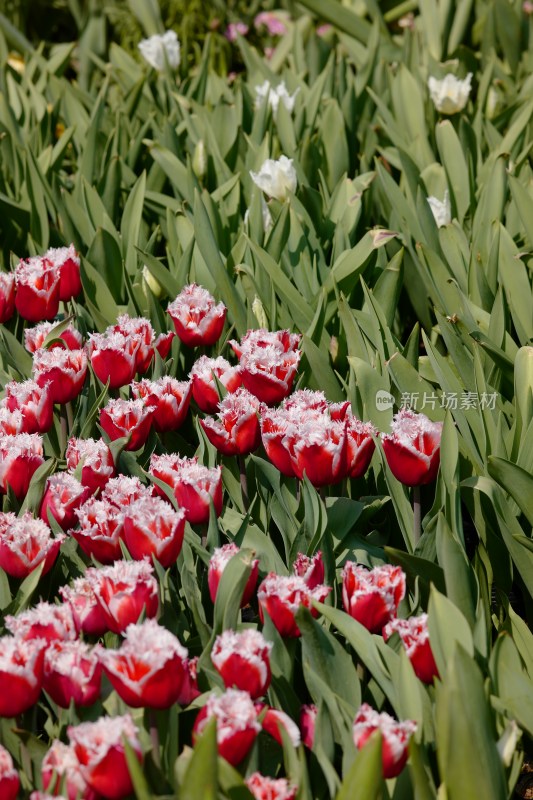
53,646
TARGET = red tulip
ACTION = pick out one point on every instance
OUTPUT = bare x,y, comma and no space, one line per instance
268,362
67,262
37,296
170,399
319,450
86,612
243,661
140,331
64,371
310,568
237,725
21,674
412,449
99,747
360,446
217,564
196,317
34,338
7,295
63,495
9,777
415,638
149,668
163,343
189,688
395,736
372,596
281,596
46,622
25,543
194,485
124,417
113,357
236,431
72,672
101,529
153,528
20,456
60,765
34,403
276,721
263,788
308,715
204,388
96,462
123,591
124,490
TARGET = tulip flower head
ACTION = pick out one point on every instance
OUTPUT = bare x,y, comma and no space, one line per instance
217,564
100,530
9,778
194,485
263,788
372,596
46,622
63,370
124,490
243,660
237,725
161,49
20,455
37,295
236,431
197,318
94,458
276,721
123,591
140,332
11,422
86,612
7,296
170,399
274,95
269,362
34,338
277,179
415,638
153,528
310,568
34,403
308,715
204,389
450,95
21,674
127,418
25,543
149,668
63,495
189,689
60,764
99,748
72,673
113,357
281,596
412,449
395,735
67,263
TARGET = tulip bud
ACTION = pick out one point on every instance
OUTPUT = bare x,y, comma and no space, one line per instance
237,725
395,736
199,160
243,661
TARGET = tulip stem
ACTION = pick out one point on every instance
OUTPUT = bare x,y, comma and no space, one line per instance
417,514
64,430
70,417
154,736
244,483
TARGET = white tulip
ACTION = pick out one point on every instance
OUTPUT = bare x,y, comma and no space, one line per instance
450,95
160,47
442,209
276,178
275,95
